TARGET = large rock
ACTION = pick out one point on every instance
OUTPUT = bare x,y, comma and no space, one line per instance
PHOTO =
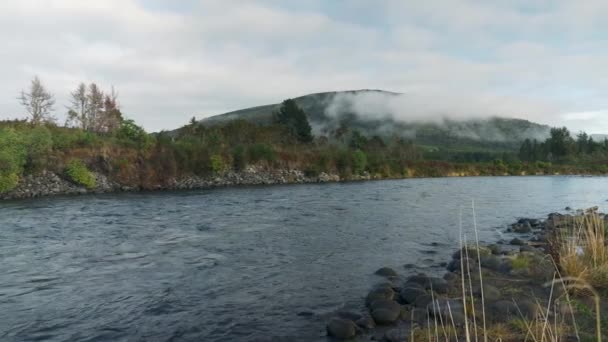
517,242
438,285
472,252
448,310
522,228
379,293
366,322
491,262
341,328
490,293
386,315
409,293
400,334
386,272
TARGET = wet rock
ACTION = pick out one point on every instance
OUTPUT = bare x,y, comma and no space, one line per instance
305,313
409,266
379,293
384,316
435,284
366,322
340,328
527,248
423,300
386,272
449,276
400,334
490,293
471,252
491,262
409,294
496,249
521,228
385,304
517,242
447,309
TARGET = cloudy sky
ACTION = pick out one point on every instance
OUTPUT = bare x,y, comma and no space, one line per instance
546,61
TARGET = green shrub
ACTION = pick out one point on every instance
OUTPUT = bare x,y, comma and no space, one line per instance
238,158
78,173
359,161
39,143
8,181
520,263
259,152
217,163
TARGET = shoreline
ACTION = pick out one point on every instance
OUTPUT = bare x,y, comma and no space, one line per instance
406,304
51,184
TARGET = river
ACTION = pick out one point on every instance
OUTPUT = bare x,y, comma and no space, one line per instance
266,263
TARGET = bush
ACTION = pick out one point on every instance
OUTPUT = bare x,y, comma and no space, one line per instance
8,181
238,158
359,161
78,173
217,163
259,152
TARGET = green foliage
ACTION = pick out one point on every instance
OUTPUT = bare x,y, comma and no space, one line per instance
78,173
39,143
8,181
520,263
359,161
217,164
294,118
261,152
238,158
132,134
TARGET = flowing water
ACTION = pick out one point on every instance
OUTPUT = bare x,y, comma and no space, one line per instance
251,263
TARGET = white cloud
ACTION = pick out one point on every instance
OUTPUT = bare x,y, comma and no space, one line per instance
536,60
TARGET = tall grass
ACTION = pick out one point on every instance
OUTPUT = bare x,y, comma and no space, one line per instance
582,258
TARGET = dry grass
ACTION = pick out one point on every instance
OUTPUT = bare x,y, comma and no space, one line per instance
583,264
582,250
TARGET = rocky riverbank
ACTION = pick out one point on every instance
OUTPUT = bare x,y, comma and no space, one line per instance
48,183
514,279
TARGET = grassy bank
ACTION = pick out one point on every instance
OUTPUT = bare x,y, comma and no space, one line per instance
134,158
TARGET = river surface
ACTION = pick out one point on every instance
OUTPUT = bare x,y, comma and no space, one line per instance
266,263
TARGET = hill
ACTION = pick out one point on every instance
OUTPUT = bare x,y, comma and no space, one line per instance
331,112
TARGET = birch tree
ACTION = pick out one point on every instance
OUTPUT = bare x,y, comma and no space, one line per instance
38,102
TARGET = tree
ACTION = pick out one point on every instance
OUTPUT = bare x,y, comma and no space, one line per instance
38,102
294,118
77,112
94,110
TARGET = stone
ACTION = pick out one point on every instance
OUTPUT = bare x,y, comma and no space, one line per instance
423,300
366,322
340,328
400,334
386,272
379,293
490,293
521,228
491,262
353,316
517,242
384,316
502,310
448,310
436,284
527,248
409,294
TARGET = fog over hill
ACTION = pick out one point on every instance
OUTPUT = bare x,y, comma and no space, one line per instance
421,118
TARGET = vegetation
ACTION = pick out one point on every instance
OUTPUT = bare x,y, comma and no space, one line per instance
97,133
78,173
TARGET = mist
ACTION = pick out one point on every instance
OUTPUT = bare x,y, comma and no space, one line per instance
452,111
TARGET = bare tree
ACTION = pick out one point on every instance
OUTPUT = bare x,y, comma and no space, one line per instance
94,108
77,111
38,102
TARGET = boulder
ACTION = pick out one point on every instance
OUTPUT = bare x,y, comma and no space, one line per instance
366,322
490,293
517,242
409,294
527,248
423,300
386,272
448,310
436,284
496,249
379,293
491,262
384,316
385,304
353,316
400,334
341,328
472,252
521,228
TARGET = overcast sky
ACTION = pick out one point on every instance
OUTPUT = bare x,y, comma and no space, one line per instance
170,60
